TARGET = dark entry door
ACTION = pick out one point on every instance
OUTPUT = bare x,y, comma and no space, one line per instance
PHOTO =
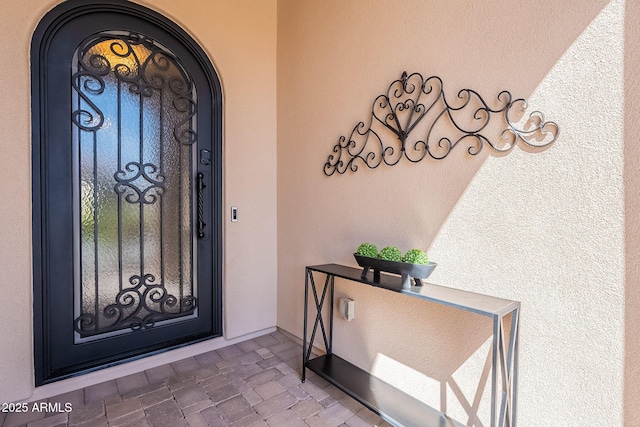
127,187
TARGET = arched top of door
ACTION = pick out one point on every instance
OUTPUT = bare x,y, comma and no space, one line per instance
60,15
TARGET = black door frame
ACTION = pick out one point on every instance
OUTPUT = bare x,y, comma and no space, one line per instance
46,235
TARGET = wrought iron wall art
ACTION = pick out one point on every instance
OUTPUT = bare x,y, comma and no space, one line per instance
134,119
414,119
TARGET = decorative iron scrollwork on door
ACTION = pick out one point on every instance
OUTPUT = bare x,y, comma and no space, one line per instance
413,105
134,155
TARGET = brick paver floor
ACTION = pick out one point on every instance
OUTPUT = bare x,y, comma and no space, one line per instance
252,383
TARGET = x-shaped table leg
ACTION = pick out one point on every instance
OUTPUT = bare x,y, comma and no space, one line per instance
505,361
310,282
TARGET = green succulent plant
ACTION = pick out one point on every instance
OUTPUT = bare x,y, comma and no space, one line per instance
391,253
368,250
416,256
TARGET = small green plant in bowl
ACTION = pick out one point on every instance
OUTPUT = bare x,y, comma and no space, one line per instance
391,253
416,256
414,267
368,250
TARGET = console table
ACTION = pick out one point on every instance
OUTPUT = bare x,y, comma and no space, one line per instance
393,405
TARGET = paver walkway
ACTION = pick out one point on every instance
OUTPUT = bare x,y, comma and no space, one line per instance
252,383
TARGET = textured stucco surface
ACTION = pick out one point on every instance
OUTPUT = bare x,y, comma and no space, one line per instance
16,354
240,39
554,230
632,213
558,230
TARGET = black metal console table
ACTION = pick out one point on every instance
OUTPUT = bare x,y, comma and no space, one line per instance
393,405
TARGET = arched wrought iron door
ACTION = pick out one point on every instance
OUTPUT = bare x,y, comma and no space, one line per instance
127,187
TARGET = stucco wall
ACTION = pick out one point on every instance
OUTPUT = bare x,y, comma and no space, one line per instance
632,213
15,217
549,229
240,39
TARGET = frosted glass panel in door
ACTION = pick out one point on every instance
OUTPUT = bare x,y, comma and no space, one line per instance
133,122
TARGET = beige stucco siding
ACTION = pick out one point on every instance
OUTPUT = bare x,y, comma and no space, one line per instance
549,229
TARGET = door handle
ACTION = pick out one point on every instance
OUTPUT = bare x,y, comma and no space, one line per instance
199,191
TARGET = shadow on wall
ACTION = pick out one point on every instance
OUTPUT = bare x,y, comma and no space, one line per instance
468,399
451,376
449,366
408,205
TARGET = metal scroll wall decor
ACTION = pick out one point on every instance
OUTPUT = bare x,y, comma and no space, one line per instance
416,106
